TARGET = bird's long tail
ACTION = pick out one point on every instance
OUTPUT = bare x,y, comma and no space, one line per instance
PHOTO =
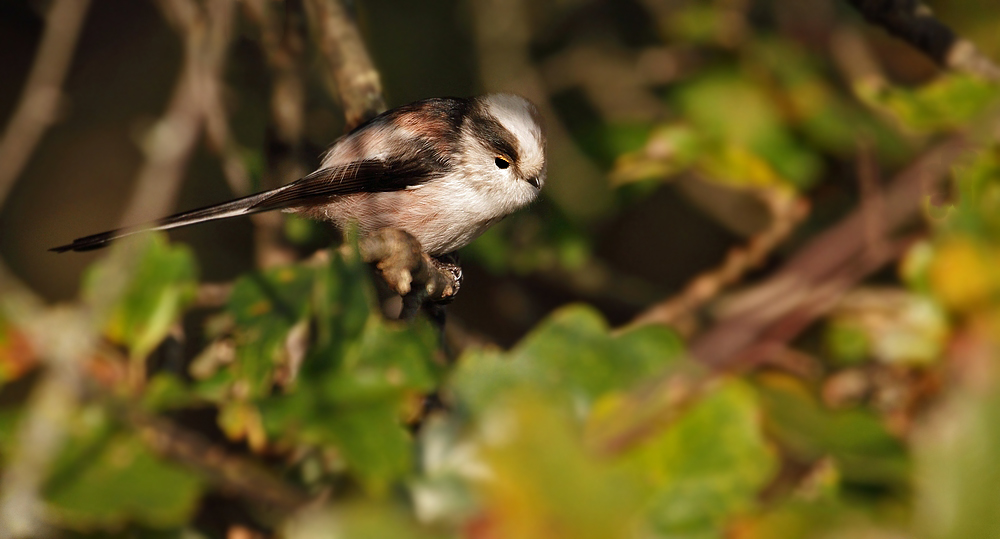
241,206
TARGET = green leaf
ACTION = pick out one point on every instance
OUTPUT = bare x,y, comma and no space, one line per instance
748,132
357,520
356,380
956,466
571,353
707,467
265,307
148,283
108,478
538,480
856,439
949,102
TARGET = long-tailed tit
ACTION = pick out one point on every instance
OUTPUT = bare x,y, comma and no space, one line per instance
442,169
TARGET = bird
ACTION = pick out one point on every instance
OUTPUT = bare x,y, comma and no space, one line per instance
442,169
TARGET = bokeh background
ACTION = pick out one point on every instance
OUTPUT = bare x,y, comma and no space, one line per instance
702,155
609,71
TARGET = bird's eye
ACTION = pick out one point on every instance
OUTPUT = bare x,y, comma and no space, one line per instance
501,162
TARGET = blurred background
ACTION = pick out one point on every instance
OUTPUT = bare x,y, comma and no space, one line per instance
778,190
606,73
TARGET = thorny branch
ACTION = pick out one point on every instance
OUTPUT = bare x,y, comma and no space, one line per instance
913,22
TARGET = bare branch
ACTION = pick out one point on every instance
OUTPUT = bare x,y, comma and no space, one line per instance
837,258
913,22
171,141
42,93
232,474
358,82
408,270
786,212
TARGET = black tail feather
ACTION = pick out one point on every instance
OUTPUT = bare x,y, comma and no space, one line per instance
233,208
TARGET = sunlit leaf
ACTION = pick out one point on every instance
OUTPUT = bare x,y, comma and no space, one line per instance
707,467
150,283
571,353
946,103
542,483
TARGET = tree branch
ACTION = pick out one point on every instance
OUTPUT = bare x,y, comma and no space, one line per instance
347,61
171,141
230,473
786,212
42,93
838,257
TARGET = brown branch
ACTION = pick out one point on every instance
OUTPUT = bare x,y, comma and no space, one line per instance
913,22
232,474
408,270
42,93
283,45
43,428
357,81
765,318
172,139
786,212
833,258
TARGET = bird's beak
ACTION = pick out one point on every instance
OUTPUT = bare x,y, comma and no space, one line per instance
534,182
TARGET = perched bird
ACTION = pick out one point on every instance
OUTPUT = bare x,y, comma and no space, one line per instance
442,169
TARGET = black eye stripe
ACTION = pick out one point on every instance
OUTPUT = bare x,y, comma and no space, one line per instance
493,134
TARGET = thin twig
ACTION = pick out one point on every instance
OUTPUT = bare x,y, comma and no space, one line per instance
786,212
872,200
172,140
358,82
42,93
827,257
766,317
231,473
283,45
913,22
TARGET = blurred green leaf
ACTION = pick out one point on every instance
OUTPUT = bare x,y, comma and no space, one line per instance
357,520
571,353
856,439
543,484
355,381
748,126
265,307
107,477
149,283
707,467
956,466
949,102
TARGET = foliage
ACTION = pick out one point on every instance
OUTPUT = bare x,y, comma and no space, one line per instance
880,420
